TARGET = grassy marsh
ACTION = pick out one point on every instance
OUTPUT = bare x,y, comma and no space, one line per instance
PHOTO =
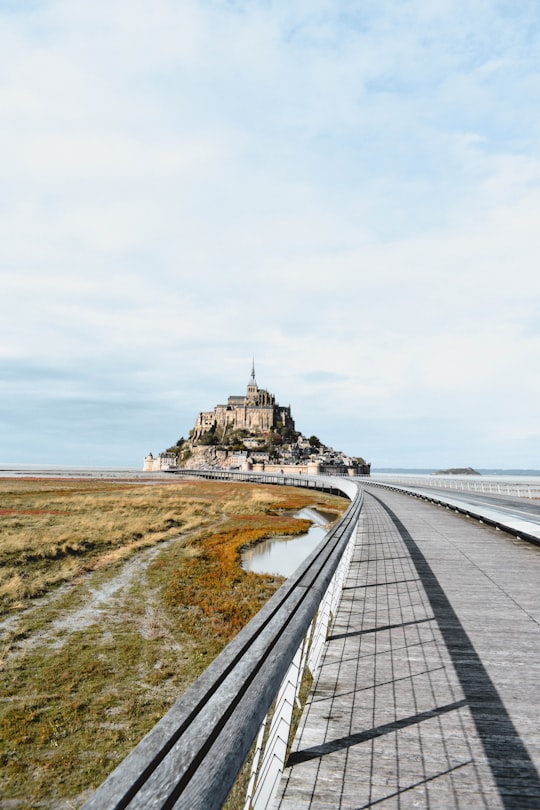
116,596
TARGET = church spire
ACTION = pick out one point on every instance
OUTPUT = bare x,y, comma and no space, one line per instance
252,388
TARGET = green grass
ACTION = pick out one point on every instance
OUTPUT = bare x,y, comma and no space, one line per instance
77,699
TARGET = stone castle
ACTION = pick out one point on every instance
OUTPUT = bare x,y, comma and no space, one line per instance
257,412
253,432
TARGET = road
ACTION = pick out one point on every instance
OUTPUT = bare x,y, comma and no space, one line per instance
520,516
521,508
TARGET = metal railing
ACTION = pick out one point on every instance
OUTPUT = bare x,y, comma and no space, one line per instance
237,715
487,486
517,521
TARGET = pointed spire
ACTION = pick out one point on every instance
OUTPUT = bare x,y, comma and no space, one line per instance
252,387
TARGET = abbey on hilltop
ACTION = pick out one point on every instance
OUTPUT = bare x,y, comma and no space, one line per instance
257,412
253,432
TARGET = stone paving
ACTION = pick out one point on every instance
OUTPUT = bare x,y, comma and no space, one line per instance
428,692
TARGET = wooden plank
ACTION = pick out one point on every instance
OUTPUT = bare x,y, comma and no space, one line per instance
427,695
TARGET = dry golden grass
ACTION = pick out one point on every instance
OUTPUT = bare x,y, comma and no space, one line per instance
80,688
52,531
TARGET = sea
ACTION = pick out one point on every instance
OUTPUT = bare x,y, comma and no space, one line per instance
8,470
432,470
510,476
11,470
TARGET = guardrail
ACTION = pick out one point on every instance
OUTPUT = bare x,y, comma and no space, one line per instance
230,730
518,527
463,484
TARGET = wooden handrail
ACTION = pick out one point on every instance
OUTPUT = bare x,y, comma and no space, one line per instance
192,756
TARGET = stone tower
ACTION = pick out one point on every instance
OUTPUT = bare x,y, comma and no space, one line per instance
252,387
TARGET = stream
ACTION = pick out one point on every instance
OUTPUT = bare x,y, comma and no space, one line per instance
283,555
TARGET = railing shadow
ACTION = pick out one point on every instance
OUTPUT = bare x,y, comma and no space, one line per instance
514,772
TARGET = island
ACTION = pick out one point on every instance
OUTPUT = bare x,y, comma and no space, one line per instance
457,471
252,431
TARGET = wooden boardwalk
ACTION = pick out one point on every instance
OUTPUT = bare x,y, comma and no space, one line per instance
428,695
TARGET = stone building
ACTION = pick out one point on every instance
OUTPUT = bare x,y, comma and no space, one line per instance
213,443
256,411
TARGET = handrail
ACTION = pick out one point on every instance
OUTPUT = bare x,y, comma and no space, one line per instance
192,756
464,483
519,527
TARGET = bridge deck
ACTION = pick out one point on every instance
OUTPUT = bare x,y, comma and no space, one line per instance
428,693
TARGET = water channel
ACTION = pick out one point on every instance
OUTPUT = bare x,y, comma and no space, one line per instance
283,555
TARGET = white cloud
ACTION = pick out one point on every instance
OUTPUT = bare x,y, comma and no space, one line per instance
352,197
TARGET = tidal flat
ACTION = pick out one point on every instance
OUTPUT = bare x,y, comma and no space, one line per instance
115,596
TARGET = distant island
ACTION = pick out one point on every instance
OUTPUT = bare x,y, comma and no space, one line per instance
253,432
457,471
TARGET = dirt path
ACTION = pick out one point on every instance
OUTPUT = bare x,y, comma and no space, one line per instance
103,600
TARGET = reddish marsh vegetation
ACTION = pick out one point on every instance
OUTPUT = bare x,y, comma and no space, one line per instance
151,590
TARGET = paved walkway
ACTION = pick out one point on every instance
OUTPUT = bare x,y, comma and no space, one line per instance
428,694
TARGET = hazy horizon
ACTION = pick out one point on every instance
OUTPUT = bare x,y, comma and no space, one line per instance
7,466
347,193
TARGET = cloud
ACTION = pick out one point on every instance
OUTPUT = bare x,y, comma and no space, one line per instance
350,194
323,377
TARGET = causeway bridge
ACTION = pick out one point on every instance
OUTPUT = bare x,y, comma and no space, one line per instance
399,667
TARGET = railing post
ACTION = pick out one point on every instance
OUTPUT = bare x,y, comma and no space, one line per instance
192,757
268,766
266,772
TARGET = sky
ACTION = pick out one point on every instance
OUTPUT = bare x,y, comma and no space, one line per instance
346,191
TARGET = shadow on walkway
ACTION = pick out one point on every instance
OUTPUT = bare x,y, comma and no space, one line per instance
514,772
